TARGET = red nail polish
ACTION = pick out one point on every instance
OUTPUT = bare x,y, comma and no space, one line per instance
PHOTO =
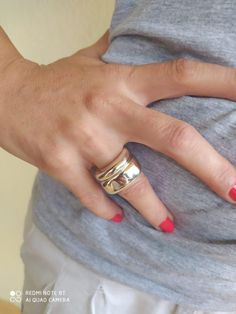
117,218
167,225
232,193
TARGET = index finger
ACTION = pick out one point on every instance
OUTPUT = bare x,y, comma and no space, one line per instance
149,82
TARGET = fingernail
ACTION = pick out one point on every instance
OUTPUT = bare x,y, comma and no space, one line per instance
167,225
232,193
117,218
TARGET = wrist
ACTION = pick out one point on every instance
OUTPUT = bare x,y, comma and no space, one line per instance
13,68
8,52
13,79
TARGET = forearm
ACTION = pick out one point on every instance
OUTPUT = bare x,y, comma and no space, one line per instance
8,55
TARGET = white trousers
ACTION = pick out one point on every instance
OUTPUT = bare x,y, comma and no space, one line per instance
56,284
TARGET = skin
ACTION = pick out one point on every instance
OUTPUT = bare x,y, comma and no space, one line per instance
79,112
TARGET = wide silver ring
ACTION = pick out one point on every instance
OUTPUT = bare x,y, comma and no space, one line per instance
120,173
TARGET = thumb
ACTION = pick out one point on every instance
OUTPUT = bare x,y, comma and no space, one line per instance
97,49
175,78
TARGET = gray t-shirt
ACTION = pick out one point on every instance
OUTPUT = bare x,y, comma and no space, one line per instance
196,265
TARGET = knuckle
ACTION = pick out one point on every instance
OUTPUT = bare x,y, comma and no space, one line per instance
138,188
181,137
94,100
183,70
101,101
130,72
89,141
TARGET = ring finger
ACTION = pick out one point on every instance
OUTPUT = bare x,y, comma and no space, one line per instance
140,194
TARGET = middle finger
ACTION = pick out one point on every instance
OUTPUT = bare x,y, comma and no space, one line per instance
183,143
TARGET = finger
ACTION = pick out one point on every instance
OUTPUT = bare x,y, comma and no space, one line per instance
184,144
89,192
142,197
150,82
138,193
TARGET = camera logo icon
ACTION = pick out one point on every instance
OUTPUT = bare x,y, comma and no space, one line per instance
15,296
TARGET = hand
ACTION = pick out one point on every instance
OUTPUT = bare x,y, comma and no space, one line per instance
78,112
